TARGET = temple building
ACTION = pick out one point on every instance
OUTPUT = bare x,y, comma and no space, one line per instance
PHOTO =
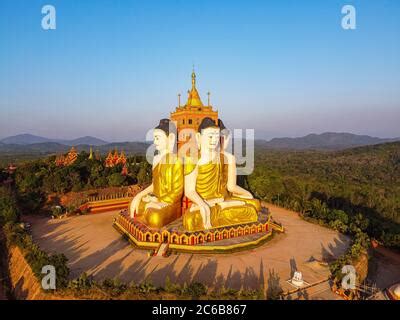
180,186
190,115
67,160
115,159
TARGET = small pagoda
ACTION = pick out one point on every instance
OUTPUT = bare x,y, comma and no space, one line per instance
114,159
67,160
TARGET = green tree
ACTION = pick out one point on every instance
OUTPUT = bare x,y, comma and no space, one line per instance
116,180
143,175
8,206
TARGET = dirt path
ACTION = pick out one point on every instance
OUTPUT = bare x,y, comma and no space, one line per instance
92,245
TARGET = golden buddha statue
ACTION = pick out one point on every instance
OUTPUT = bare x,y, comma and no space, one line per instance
160,203
211,185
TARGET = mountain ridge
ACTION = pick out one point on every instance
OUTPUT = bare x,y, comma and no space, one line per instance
55,147
29,139
325,141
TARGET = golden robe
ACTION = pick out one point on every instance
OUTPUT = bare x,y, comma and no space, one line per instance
167,188
211,184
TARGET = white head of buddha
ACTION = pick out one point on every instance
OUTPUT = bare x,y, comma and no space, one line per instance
164,136
208,136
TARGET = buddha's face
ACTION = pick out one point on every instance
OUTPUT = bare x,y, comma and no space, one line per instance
160,140
209,139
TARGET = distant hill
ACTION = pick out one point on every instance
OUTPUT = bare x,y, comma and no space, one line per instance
24,139
28,139
327,141
85,140
47,148
34,148
30,144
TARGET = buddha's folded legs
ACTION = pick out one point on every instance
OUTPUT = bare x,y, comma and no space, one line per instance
192,220
254,202
158,218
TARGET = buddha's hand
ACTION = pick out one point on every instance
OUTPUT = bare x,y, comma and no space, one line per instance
205,212
134,207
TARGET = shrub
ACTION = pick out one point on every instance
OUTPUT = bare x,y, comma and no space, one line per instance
338,225
147,287
84,282
172,287
195,290
114,287
116,180
8,206
56,211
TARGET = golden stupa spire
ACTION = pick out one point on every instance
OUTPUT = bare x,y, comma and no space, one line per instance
193,80
193,96
91,153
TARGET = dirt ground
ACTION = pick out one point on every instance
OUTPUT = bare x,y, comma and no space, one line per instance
92,245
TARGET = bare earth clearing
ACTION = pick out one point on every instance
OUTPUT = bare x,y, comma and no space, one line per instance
92,245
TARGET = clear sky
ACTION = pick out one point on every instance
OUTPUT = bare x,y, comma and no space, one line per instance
112,68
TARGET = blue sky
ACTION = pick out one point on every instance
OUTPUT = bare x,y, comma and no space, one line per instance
112,69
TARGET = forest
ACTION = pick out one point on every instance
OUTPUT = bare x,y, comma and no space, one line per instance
34,180
353,190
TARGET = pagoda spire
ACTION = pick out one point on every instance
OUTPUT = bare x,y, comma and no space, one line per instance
91,153
193,80
193,96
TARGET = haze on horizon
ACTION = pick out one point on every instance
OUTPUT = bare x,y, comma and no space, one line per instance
112,70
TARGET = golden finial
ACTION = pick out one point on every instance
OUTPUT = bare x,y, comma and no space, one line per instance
193,79
208,94
179,99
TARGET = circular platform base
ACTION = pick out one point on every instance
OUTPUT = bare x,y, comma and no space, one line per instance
173,239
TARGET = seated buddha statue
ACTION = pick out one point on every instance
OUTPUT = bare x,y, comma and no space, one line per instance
210,186
160,203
